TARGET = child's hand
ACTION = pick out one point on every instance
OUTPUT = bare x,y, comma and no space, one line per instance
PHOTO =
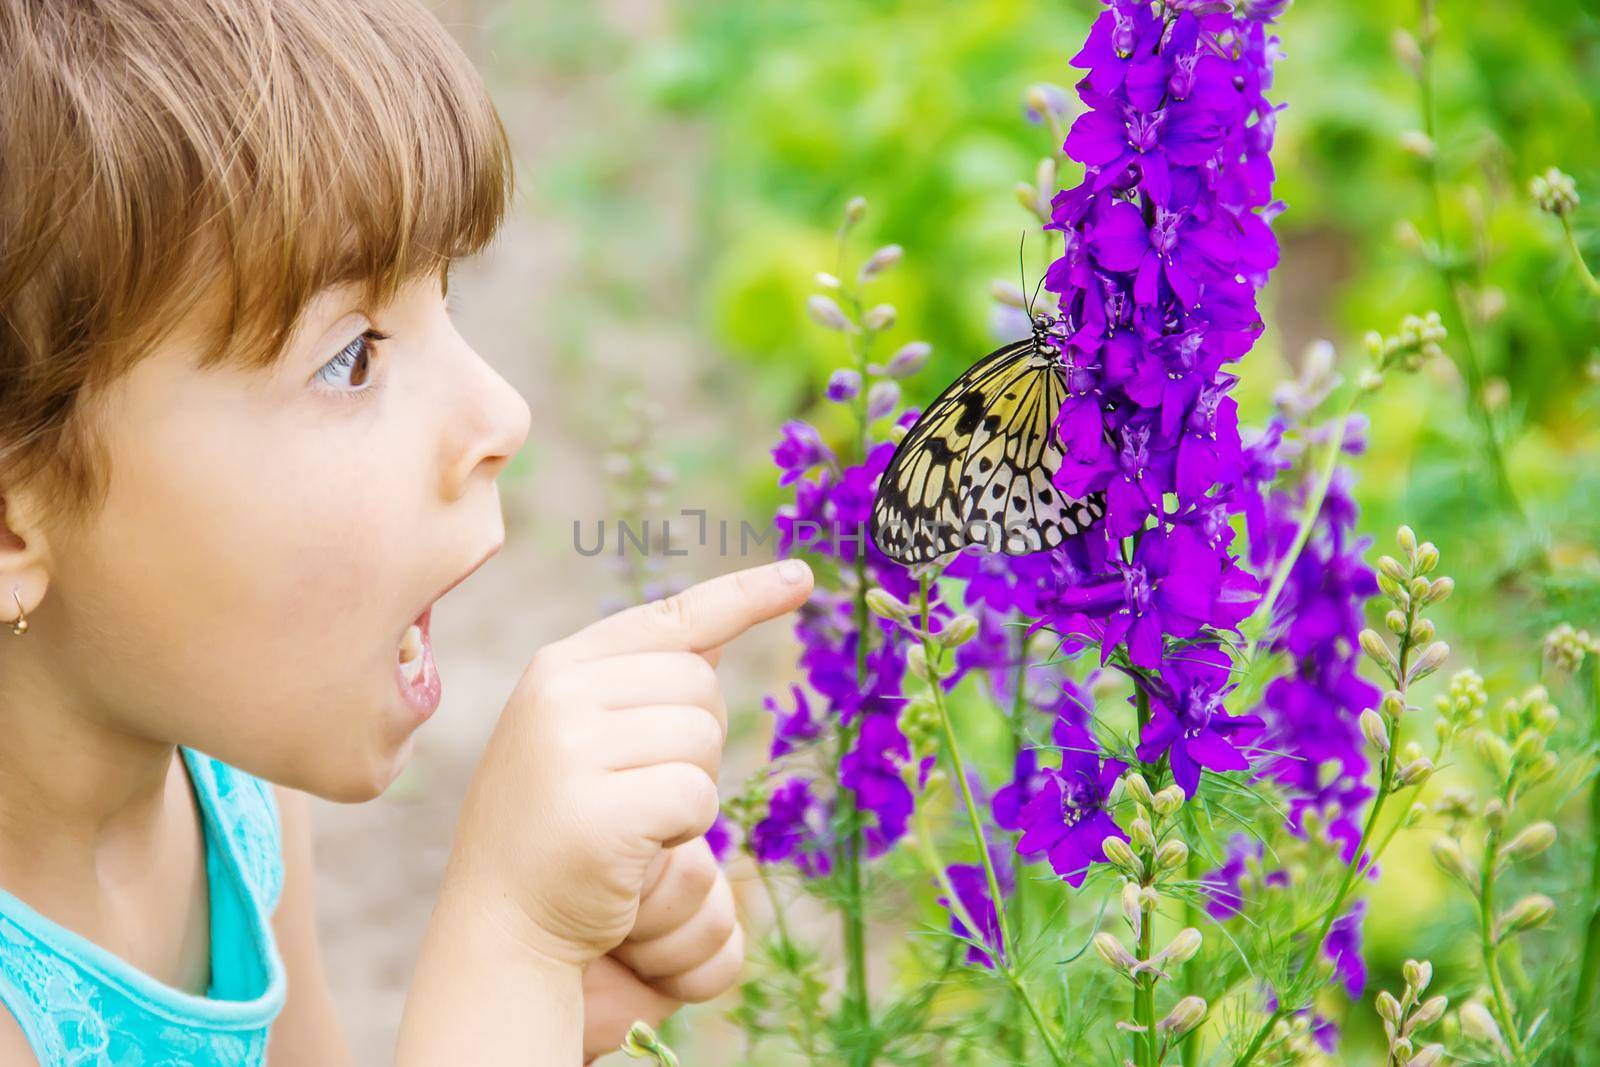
606,753
686,945
686,942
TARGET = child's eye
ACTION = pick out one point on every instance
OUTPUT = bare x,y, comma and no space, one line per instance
352,364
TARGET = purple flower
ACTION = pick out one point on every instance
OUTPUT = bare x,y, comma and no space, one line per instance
792,728
844,384
720,837
972,889
1187,721
799,450
1343,947
872,771
1168,590
795,830
1066,817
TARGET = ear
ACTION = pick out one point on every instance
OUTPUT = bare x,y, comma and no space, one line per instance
24,570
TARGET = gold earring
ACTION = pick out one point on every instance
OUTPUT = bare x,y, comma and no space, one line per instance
19,627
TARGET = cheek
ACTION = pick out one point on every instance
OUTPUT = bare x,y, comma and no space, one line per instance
267,581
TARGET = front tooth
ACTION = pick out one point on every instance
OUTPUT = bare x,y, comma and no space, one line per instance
411,645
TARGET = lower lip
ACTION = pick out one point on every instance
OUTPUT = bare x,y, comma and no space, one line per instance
422,696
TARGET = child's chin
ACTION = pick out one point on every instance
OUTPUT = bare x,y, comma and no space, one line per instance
360,780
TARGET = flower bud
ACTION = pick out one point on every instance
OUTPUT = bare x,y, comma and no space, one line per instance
1393,703
1417,143
1028,196
854,210
1133,906
911,358
1110,949
1546,766
1171,855
1373,645
881,399
1439,589
1530,746
1418,973
1184,1016
886,605
1432,659
1494,813
1526,914
1407,537
1554,192
1139,830
1136,787
958,631
1427,557
1373,729
878,317
826,280
1421,632
1429,1056
1119,853
1183,947
1004,292
1388,1007
1494,751
1168,801
917,662
1418,589
825,312
1448,855
1431,1011
1395,622
1416,772
880,261
1400,1049
1392,568
1478,1025
844,384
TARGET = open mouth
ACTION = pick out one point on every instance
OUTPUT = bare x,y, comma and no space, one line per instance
413,647
415,672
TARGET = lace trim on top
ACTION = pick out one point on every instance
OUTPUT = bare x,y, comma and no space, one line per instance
80,1005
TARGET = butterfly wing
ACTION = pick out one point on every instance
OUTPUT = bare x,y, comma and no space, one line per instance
975,467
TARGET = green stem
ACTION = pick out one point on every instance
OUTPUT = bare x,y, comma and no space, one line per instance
1189,1051
1386,768
799,1029
1577,254
1589,968
1468,347
1019,911
958,769
1489,944
1144,990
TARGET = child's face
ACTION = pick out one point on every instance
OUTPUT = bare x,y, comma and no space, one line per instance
269,536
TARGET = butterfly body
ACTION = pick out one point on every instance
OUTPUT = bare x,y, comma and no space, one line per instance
975,468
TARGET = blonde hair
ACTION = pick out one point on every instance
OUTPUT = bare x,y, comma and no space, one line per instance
155,154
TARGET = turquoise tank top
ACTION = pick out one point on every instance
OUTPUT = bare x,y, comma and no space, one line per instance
81,1006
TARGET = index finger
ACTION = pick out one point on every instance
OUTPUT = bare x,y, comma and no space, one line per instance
701,618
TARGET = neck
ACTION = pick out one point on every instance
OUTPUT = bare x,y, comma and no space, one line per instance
79,796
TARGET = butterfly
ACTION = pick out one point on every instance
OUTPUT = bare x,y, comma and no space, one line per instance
975,467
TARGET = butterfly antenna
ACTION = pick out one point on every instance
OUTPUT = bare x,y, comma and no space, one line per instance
1022,275
1035,295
